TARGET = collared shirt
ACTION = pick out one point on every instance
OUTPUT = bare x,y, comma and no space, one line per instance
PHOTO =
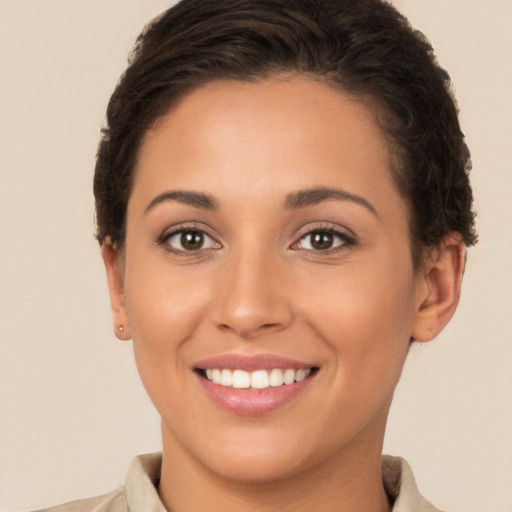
140,494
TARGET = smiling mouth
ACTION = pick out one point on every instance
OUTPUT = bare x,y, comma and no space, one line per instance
255,380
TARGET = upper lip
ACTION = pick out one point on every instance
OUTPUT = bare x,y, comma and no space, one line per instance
251,363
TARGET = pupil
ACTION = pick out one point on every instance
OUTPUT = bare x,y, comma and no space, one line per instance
192,240
322,241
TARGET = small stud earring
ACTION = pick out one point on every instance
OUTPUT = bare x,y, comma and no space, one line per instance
120,328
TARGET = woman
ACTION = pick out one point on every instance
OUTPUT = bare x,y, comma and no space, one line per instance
283,207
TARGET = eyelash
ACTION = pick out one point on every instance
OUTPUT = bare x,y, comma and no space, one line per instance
164,240
346,241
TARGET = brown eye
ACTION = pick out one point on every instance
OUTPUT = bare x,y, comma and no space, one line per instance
323,240
189,240
192,240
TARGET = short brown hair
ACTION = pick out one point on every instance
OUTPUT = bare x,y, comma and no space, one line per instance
363,47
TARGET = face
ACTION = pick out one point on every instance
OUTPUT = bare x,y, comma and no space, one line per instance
267,278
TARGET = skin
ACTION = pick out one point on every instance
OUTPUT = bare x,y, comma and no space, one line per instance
258,286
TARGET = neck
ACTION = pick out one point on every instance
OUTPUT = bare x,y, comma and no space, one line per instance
349,480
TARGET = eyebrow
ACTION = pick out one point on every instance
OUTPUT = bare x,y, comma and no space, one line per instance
313,196
295,200
196,199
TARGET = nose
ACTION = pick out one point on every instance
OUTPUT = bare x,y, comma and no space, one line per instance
251,298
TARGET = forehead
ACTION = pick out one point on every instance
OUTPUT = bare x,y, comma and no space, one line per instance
265,138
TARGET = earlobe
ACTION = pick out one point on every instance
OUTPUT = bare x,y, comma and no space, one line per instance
109,253
439,283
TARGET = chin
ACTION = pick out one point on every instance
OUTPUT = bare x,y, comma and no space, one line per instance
257,467
249,454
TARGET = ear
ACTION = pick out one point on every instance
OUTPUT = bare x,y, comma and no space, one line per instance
438,290
111,259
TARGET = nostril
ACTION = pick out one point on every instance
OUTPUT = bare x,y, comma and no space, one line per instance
249,330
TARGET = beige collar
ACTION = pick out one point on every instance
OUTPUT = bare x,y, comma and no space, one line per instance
144,473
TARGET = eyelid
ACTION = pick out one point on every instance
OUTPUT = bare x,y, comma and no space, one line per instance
170,232
346,235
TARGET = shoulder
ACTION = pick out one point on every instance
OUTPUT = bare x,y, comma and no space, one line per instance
401,487
139,494
114,501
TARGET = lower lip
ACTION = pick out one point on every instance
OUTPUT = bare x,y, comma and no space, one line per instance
253,402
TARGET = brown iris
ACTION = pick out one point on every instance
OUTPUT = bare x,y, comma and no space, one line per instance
192,240
322,241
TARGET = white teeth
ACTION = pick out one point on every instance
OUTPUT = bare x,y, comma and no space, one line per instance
276,377
216,376
289,376
259,379
300,375
241,379
226,378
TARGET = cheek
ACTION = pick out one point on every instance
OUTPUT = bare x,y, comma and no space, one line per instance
164,308
362,296
364,315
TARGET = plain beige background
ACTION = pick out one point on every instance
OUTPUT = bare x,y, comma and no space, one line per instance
72,411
